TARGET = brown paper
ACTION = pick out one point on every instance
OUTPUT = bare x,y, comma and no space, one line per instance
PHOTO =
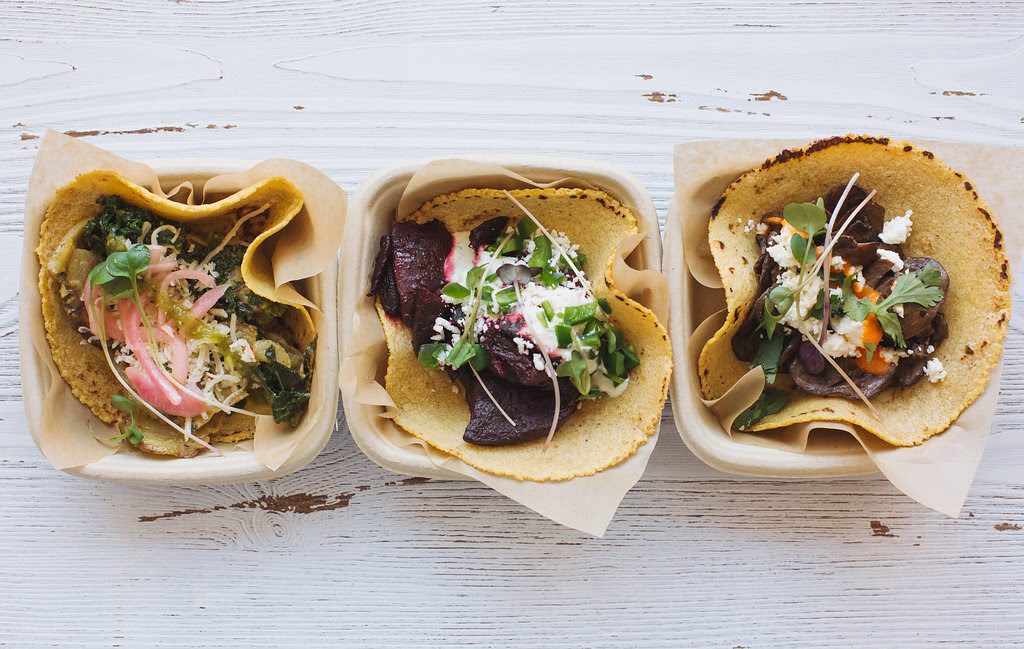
937,473
66,431
586,503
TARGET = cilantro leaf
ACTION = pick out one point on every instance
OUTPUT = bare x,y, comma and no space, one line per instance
770,402
919,288
923,288
767,356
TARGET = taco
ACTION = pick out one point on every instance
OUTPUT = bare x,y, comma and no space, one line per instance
509,345
163,318
868,281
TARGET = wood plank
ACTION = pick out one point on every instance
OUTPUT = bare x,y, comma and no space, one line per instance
347,551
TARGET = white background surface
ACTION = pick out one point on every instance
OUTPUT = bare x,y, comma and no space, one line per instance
694,557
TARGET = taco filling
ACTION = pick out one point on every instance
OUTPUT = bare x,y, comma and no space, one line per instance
841,308
180,329
504,309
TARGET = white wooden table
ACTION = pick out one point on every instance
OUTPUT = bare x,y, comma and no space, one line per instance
345,553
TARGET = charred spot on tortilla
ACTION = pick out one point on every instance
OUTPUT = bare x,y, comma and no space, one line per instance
870,264
161,316
516,309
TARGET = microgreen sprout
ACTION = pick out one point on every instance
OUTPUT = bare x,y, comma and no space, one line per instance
132,432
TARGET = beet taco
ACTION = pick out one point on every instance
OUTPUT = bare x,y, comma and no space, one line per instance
163,318
867,280
509,345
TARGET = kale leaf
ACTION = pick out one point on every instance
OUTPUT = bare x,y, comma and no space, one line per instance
228,260
286,391
119,225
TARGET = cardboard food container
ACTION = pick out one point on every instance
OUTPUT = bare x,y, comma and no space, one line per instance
239,462
937,473
364,398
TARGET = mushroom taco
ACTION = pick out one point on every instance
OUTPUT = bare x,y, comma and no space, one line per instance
867,280
509,345
163,318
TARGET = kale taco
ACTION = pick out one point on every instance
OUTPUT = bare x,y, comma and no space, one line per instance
867,280
164,318
509,345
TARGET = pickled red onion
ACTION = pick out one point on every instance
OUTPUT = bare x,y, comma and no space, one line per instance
152,385
203,278
149,389
207,300
111,325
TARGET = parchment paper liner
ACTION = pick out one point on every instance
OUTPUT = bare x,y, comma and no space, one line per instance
67,433
939,472
586,503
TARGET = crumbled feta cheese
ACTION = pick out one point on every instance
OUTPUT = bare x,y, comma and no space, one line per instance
441,325
523,345
898,310
762,228
538,362
845,339
838,263
930,349
934,369
244,350
797,317
750,226
892,257
780,249
896,230
559,297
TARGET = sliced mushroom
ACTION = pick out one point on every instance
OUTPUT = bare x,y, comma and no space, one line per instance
868,223
854,252
748,336
830,383
916,319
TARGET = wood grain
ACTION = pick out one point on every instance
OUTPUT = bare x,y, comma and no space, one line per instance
344,553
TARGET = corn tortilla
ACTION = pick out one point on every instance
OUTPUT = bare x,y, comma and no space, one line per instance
601,433
950,224
83,366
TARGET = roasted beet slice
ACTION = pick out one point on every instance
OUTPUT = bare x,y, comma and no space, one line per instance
530,407
382,282
430,307
487,232
418,255
830,384
498,338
